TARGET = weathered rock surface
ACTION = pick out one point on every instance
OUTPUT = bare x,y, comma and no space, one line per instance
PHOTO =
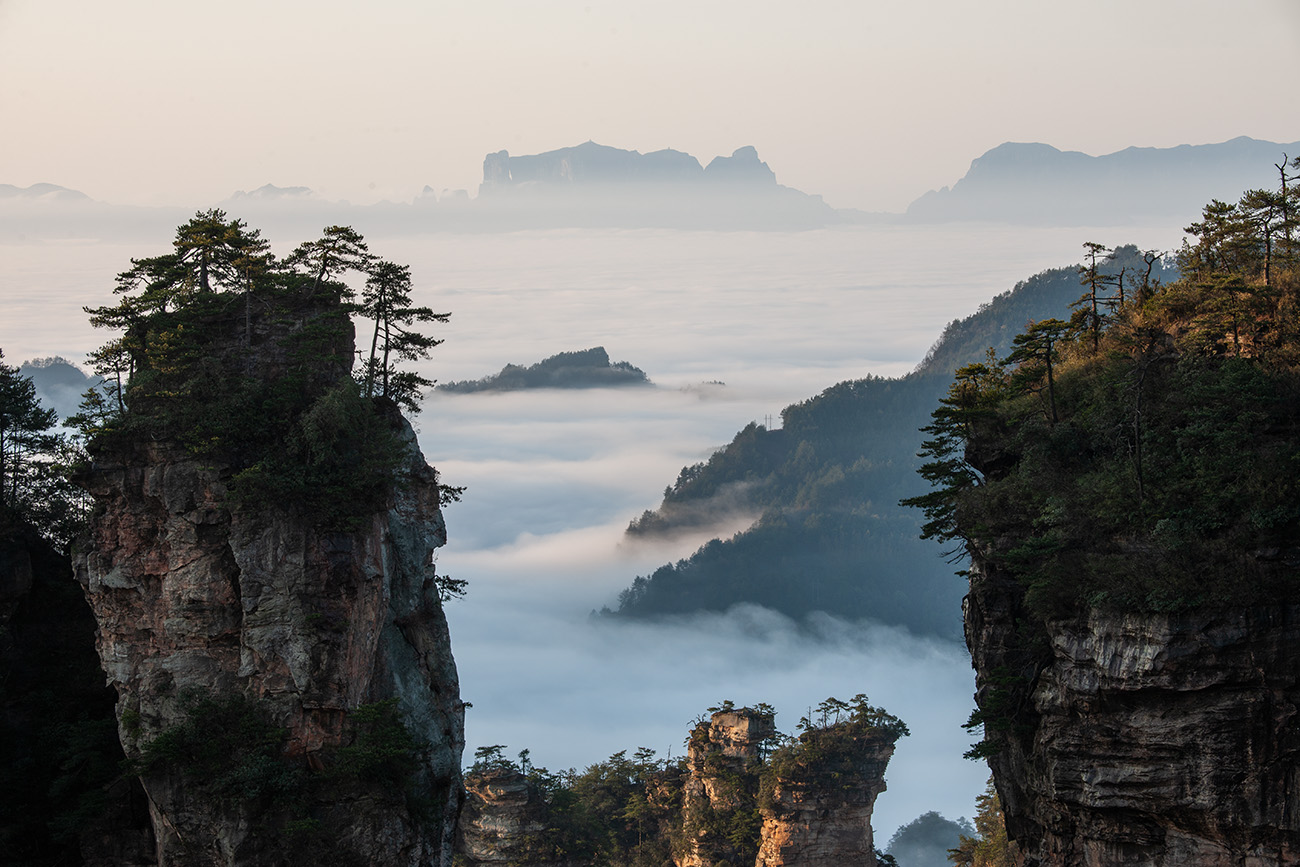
191,597
196,598
820,815
503,822
1144,739
723,755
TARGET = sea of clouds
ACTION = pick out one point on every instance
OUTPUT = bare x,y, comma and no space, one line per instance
553,477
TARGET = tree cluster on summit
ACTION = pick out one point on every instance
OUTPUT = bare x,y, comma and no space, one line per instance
200,359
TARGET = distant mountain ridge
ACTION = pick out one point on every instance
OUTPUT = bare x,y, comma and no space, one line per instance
590,164
42,192
832,536
591,185
1019,182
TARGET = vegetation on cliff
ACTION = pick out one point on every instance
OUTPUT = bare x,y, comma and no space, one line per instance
259,555
1135,453
245,359
1143,453
35,460
704,808
986,845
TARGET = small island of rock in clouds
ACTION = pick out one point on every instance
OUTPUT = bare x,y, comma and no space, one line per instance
587,368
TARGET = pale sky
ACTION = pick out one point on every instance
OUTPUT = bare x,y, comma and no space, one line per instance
866,103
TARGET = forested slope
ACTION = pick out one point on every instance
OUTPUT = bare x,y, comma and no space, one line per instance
831,536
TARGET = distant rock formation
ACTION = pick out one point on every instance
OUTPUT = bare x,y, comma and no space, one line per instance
817,812
743,167
1034,183
596,185
503,820
584,186
587,368
270,192
588,164
42,193
744,795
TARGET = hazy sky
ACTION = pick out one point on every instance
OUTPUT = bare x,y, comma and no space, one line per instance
867,102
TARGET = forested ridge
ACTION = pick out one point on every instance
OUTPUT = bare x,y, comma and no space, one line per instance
827,483
1142,453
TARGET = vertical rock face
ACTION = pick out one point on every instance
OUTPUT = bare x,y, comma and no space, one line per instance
1143,739
287,691
194,599
818,811
504,821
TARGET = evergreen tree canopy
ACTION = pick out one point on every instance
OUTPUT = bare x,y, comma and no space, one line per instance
225,350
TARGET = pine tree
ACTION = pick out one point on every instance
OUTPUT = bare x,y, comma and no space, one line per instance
386,301
1037,346
340,248
34,460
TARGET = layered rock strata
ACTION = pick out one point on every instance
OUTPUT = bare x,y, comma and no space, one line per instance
818,813
1142,739
286,691
503,822
194,599
723,759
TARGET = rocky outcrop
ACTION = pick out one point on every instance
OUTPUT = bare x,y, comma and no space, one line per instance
586,368
817,812
504,822
599,186
587,164
724,758
744,795
331,643
1141,739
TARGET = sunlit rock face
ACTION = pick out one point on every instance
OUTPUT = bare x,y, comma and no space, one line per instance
819,815
1145,739
194,598
722,759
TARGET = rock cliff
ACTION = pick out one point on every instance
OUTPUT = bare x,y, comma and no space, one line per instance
286,691
504,822
744,795
719,797
1141,738
817,806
